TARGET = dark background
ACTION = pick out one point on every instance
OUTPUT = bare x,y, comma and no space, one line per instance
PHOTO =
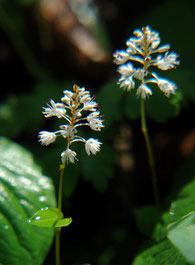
39,58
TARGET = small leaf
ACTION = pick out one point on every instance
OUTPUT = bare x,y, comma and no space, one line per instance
182,235
49,217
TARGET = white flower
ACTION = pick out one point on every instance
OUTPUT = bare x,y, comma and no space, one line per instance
138,33
46,138
68,93
139,74
163,48
143,36
136,59
65,99
140,49
143,91
95,123
166,86
89,105
85,98
151,35
155,44
68,131
72,109
68,156
126,69
167,62
55,109
120,57
83,95
132,47
126,82
92,146
92,116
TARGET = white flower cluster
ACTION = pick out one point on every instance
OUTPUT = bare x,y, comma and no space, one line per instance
71,108
142,48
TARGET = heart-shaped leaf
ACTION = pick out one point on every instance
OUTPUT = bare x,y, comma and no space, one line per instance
49,217
23,191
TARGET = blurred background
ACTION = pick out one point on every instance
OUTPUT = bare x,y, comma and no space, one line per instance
48,45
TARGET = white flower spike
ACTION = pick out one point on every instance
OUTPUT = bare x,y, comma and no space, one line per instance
73,107
142,48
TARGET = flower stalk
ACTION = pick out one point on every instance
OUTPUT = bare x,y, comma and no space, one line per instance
72,108
142,49
58,229
150,153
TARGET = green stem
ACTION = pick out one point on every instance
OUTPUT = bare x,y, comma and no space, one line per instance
58,229
150,153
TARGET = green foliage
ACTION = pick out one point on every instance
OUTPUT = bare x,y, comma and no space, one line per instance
161,254
161,251
117,103
23,191
98,169
110,100
179,35
49,217
17,113
182,235
23,112
12,21
147,219
132,105
160,108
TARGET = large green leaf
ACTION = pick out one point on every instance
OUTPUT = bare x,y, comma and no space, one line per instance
182,235
161,251
23,191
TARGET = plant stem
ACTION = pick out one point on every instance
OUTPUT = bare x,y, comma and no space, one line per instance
150,153
57,246
58,229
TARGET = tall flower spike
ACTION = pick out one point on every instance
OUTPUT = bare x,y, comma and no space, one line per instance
142,48
74,108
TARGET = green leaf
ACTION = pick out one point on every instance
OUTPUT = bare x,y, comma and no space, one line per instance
171,32
182,205
147,218
23,191
184,78
48,217
99,168
163,253
110,100
132,105
182,235
183,201
160,108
